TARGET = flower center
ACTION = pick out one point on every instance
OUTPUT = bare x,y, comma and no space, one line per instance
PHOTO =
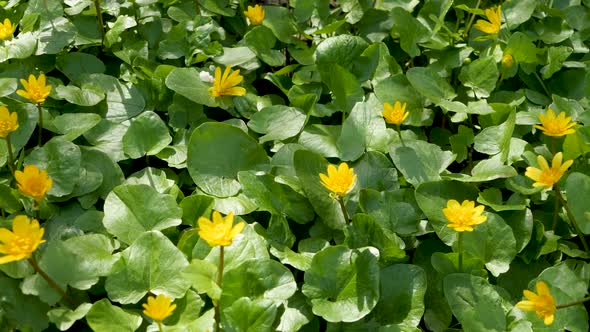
551,175
5,127
544,305
21,245
554,127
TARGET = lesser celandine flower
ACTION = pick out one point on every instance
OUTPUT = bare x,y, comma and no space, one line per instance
542,303
226,85
492,27
255,14
32,182
395,114
36,90
339,180
22,241
463,217
548,176
6,29
158,308
220,231
8,122
555,126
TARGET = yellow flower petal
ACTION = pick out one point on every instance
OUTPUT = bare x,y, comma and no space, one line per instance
339,180
462,217
555,126
32,182
25,238
219,231
35,90
158,308
225,85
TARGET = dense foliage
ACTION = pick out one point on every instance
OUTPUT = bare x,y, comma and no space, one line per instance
350,165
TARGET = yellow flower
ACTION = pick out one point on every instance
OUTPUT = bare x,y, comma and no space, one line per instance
462,217
339,181
226,85
25,238
546,176
6,29
494,17
35,89
555,126
255,14
32,182
8,122
507,61
220,231
543,303
395,114
158,308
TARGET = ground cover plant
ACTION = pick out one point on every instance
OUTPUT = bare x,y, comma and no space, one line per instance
303,165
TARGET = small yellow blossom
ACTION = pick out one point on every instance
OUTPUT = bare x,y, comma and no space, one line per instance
25,238
8,122
395,114
158,308
32,182
220,231
555,126
462,217
255,14
35,89
548,176
226,85
492,27
339,181
543,303
6,29
507,61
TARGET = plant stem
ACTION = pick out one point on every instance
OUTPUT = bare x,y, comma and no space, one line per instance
50,281
99,20
399,133
343,208
460,249
471,18
571,218
219,281
555,211
40,123
197,11
543,85
10,154
553,145
573,303
160,326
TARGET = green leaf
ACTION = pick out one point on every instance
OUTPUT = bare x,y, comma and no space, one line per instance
7,86
343,284
278,19
103,316
203,277
195,206
398,88
122,23
24,312
132,210
217,152
297,313
577,188
64,318
496,139
396,211
420,161
147,135
77,64
276,198
261,41
308,166
72,125
521,47
430,84
366,232
62,160
187,83
402,295
321,139
344,85
88,95
477,305
246,315
556,56
140,270
480,75
258,279
409,30
277,122
517,12
341,50
363,129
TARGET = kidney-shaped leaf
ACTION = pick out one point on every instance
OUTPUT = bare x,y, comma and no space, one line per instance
343,284
103,316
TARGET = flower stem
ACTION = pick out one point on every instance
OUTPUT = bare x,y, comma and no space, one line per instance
555,212
197,11
160,326
343,208
542,84
460,249
399,133
10,154
573,303
571,218
40,123
50,281
468,26
219,281
99,20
